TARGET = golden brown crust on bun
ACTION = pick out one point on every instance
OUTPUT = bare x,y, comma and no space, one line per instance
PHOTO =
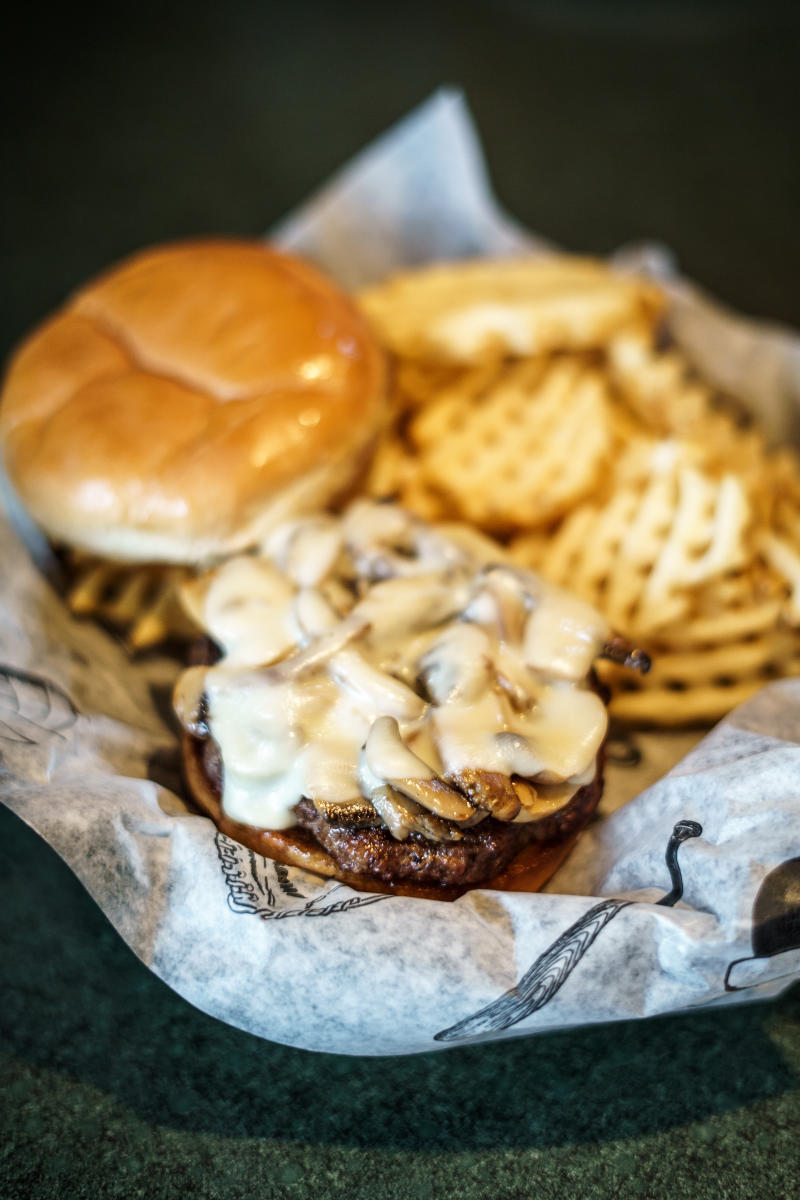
186,395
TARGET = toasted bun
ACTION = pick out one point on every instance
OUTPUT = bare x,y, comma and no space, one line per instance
297,847
184,401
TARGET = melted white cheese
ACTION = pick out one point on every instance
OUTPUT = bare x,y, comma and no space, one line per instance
438,678
248,611
562,635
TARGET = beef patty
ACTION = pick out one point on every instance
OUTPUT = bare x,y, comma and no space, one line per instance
485,850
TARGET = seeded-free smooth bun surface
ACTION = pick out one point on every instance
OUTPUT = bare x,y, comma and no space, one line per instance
177,402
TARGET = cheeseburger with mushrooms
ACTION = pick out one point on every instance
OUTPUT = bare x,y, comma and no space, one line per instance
392,704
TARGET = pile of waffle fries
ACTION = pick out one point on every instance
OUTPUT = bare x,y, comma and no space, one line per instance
539,401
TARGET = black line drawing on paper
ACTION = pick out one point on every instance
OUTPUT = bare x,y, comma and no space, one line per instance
554,966
32,708
775,935
259,887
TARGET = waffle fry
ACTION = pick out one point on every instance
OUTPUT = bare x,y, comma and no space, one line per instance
141,602
664,396
702,685
396,474
778,539
416,381
783,554
460,312
746,604
519,448
712,602
673,559
392,469
639,555
658,388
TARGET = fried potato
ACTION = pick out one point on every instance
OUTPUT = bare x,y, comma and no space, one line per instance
396,474
658,387
461,312
520,448
638,555
701,685
142,602
541,402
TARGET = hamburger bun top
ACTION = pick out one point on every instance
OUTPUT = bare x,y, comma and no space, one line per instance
180,404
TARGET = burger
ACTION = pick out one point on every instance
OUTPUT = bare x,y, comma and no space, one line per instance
373,699
178,406
394,705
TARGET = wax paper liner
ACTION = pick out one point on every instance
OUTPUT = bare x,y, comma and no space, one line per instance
687,895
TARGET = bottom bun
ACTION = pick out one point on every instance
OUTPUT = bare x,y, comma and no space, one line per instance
528,870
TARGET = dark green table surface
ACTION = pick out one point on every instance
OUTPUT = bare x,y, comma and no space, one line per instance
603,123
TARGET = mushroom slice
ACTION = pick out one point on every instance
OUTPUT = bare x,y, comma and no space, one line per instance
305,549
388,757
294,666
313,613
619,649
374,688
489,790
437,796
541,802
403,816
436,829
525,791
563,635
502,586
457,665
518,698
356,813
403,605
397,813
380,539
313,551
188,699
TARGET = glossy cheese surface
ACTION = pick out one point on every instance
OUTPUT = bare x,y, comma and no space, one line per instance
370,651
